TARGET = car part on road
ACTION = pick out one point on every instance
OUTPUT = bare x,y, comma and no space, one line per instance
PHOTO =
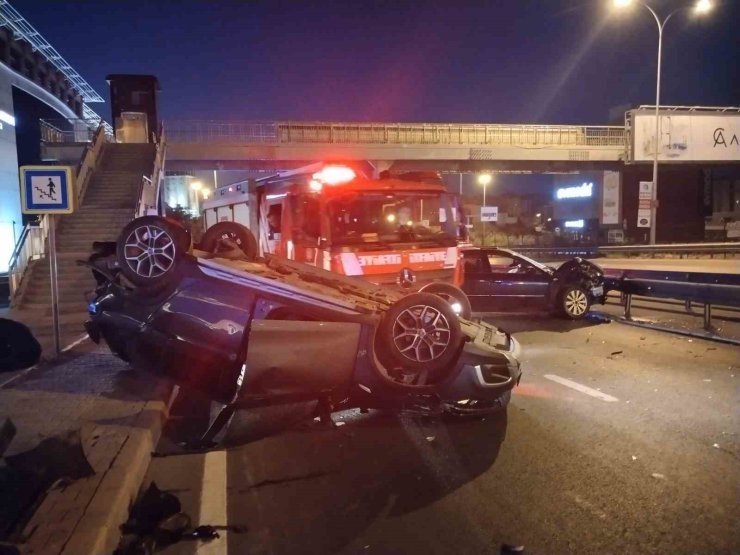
221,234
454,295
19,349
574,302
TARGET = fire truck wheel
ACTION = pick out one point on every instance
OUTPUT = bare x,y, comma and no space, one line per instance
454,295
420,332
213,239
148,250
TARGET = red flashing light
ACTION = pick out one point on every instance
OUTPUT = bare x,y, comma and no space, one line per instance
335,175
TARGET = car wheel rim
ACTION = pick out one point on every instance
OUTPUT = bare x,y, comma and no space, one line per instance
421,333
149,251
576,302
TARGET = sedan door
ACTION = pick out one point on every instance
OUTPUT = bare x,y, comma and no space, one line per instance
514,284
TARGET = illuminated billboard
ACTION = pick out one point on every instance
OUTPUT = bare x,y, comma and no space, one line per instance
697,136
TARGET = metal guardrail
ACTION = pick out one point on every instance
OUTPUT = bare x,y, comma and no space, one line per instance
680,249
707,289
676,248
526,136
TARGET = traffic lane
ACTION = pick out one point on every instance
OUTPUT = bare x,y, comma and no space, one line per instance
563,481
558,475
655,375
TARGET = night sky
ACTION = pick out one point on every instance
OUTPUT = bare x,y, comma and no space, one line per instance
521,61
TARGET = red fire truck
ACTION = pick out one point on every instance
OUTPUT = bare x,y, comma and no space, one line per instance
400,230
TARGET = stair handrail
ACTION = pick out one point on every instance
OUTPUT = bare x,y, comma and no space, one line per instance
32,243
149,189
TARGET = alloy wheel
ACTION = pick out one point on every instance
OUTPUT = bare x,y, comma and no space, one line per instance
149,251
421,333
576,302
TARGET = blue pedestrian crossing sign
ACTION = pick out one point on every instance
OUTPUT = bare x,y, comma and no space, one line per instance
47,190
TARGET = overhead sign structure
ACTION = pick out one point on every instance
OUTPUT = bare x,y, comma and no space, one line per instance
489,213
687,136
644,203
47,189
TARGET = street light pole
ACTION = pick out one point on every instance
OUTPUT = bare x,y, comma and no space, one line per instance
701,6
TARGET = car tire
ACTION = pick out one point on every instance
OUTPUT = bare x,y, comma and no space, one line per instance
148,250
452,295
420,332
574,302
19,349
234,232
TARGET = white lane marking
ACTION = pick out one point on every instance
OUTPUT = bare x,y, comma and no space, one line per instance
18,375
75,343
213,497
582,388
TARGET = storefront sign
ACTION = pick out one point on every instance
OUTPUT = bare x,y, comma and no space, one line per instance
644,202
685,137
574,224
610,198
582,191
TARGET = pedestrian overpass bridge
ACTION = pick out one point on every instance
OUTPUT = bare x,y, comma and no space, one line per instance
440,146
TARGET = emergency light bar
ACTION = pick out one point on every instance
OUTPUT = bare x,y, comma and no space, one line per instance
334,175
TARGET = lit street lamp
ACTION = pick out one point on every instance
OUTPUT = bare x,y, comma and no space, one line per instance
700,7
484,179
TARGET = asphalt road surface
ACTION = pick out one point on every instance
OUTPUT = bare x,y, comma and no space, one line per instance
618,440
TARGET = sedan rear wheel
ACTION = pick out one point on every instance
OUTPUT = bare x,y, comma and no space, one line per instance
575,302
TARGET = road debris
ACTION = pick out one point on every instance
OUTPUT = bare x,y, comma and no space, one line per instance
634,458
617,352
716,445
707,380
507,549
156,521
658,476
340,423
430,438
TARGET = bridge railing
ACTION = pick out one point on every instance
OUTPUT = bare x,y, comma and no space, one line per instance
395,133
69,130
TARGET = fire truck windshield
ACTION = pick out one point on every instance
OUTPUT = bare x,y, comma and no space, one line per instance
398,217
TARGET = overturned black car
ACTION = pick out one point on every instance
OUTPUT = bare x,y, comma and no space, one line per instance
250,332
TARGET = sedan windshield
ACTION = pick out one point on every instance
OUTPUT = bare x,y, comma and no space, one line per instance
398,217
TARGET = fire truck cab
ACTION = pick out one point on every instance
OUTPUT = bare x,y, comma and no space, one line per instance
392,230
